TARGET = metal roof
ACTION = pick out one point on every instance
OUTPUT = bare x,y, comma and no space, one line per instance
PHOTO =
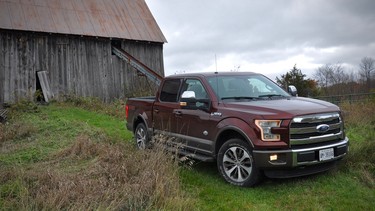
124,19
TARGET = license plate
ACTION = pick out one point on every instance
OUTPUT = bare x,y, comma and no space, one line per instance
326,154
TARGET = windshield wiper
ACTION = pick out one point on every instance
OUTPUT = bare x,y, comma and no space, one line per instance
239,98
272,95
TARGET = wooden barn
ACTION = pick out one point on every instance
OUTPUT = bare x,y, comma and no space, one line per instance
101,48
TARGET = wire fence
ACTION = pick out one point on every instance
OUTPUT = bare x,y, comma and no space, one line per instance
337,99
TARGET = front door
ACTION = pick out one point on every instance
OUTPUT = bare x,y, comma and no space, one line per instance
194,125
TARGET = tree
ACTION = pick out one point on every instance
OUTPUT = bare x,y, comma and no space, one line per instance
305,87
367,70
324,76
332,78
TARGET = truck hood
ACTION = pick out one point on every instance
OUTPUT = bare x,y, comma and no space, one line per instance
288,107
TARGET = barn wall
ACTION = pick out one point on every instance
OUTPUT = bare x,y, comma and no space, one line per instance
75,65
152,56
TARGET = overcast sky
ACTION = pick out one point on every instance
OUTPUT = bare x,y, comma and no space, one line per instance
265,36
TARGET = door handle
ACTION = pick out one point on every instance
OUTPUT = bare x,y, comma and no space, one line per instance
177,113
156,110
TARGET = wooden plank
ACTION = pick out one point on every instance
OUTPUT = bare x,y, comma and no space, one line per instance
2,67
3,115
44,83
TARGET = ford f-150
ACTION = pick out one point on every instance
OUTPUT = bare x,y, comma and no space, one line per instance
243,121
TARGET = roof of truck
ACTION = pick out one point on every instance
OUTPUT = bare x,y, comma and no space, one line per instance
210,74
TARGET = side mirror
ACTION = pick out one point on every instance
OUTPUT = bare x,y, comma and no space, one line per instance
292,90
188,94
188,101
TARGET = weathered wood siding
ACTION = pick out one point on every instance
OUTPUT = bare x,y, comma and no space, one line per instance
77,65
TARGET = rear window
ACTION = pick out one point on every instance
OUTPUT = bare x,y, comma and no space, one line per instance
169,91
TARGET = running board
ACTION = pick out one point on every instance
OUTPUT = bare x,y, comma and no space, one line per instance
139,66
193,155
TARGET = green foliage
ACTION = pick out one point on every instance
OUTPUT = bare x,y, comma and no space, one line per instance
305,87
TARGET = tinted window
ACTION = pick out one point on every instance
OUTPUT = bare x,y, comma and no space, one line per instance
169,92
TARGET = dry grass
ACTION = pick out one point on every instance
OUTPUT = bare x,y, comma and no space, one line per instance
360,123
15,130
361,113
115,108
114,177
94,172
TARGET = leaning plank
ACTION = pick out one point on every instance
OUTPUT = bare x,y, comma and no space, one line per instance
44,83
3,115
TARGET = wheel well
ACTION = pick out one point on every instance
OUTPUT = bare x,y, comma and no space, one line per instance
137,122
225,136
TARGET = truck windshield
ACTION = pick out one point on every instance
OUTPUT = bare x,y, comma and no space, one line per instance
245,87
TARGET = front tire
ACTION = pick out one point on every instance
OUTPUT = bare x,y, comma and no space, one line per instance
141,136
236,163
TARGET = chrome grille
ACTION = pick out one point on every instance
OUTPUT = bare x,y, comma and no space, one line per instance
305,129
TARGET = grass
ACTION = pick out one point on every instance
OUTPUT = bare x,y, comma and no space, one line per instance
77,156
348,187
64,157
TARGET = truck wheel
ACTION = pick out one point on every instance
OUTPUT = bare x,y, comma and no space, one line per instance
141,136
236,163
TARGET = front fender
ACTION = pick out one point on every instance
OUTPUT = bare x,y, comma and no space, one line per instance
247,131
238,126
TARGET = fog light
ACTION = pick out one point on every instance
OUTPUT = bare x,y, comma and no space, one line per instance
273,157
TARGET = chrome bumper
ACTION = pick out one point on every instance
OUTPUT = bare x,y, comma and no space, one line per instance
298,157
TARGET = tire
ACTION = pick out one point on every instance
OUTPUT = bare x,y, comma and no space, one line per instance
236,164
141,136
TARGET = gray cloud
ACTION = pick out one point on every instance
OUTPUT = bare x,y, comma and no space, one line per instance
265,32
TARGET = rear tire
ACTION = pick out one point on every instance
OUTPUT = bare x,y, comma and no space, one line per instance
236,164
141,136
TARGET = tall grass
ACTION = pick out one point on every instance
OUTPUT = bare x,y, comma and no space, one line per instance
360,124
115,108
93,171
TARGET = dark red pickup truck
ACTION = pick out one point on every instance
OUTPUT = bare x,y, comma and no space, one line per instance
243,121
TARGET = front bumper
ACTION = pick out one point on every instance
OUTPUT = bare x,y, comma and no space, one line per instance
300,157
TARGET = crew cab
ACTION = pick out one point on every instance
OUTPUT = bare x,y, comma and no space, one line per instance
243,121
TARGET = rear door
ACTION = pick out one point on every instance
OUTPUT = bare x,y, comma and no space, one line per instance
164,107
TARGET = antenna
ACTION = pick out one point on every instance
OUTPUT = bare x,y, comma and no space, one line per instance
216,63
217,82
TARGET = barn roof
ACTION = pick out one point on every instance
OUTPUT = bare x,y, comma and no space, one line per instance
124,19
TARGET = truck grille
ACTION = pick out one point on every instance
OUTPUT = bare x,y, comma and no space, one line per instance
312,129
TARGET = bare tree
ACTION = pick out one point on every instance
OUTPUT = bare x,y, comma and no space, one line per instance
332,79
324,76
367,70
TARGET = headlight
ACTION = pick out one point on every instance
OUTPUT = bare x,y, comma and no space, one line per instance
265,129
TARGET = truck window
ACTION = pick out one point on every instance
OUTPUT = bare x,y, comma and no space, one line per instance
169,91
251,86
195,86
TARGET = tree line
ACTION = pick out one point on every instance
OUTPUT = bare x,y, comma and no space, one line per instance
332,79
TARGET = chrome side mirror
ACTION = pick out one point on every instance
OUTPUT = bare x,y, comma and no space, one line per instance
292,90
188,94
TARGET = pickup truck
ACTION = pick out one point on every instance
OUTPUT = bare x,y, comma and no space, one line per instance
243,121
